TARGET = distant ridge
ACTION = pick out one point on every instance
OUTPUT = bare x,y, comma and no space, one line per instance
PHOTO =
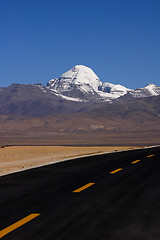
77,90
81,84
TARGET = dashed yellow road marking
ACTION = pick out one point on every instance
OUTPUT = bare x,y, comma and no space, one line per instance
135,161
18,224
150,155
84,187
117,170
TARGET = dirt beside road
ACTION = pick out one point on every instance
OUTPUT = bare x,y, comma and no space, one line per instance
17,158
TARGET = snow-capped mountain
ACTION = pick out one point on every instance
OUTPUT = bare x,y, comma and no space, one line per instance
77,90
82,84
147,91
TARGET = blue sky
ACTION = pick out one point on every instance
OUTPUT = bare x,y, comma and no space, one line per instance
118,39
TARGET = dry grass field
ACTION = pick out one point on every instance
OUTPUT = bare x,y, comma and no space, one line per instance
15,158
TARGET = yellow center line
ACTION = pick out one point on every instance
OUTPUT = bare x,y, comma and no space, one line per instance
18,224
84,187
117,170
135,161
150,155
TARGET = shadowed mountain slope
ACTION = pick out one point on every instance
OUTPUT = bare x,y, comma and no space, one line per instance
140,114
34,100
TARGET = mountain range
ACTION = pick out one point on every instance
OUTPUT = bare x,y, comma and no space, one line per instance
78,109
81,84
77,90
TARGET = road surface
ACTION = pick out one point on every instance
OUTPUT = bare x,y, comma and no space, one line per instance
111,196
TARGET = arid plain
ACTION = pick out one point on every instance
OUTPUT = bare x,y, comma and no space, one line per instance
16,158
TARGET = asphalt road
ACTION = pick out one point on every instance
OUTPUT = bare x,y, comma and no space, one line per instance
112,196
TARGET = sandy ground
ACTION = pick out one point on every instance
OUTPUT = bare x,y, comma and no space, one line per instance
18,158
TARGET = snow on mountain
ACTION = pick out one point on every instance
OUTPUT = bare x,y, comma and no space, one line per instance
82,84
152,89
112,91
147,91
79,75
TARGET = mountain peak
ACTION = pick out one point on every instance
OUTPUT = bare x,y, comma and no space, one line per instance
82,82
81,75
152,89
150,84
81,67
